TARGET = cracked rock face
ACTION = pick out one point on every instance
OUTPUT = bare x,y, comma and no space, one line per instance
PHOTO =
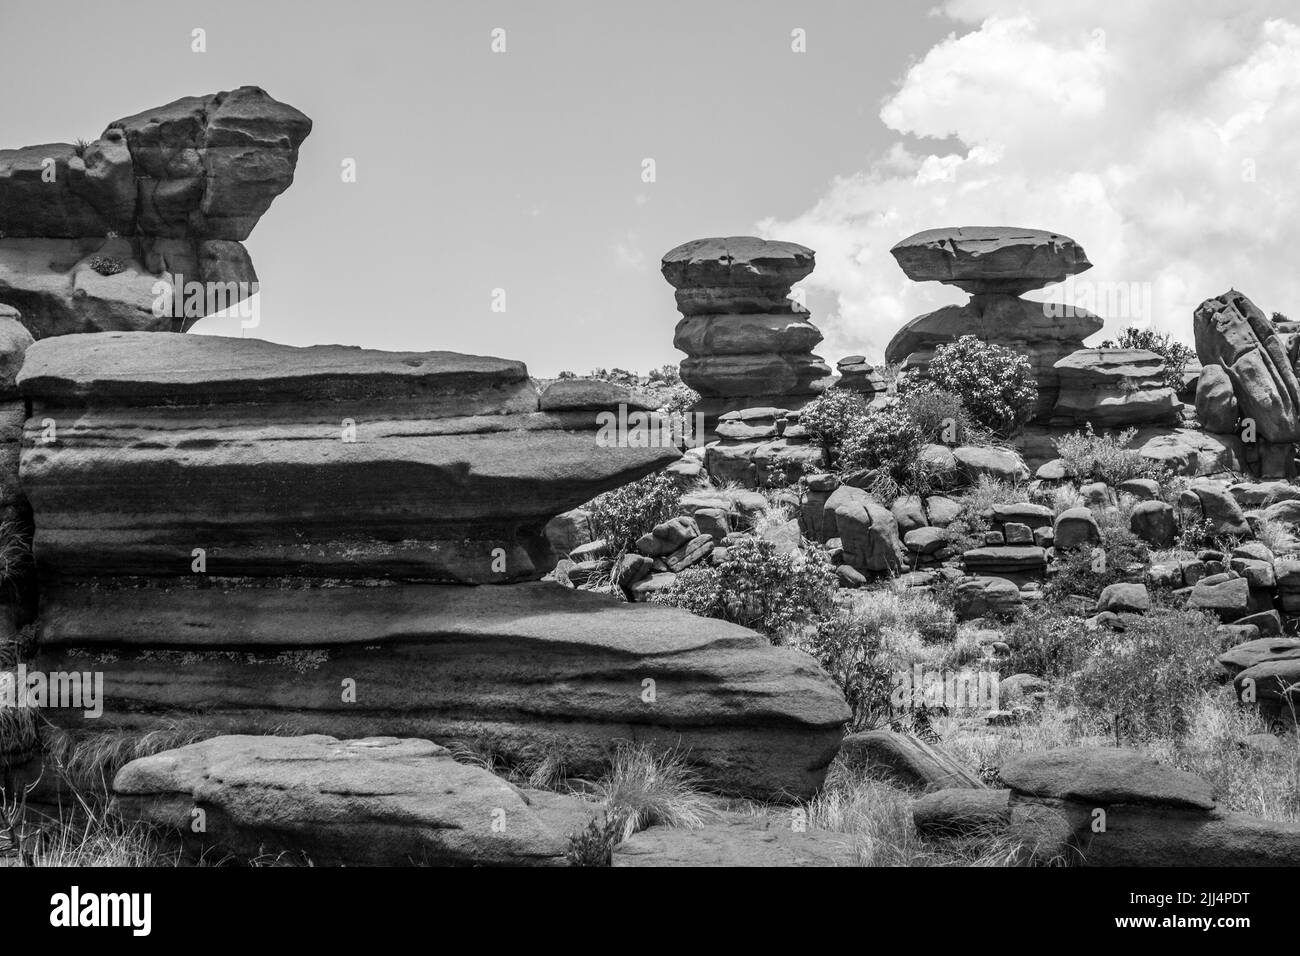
92,235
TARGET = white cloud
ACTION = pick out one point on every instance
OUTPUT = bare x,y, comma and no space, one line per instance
628,253
1161,135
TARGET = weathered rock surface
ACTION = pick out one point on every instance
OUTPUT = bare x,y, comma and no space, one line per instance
748,344
985,259
736,841
378,801
161,201
1114,388
1233,333
1216,402
514,670
323,461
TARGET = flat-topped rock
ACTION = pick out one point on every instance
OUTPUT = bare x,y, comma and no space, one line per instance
1104,775
585,394
983,259
698,335
1114,387
378,801
325,461
737,841
143,368
737,261
515,669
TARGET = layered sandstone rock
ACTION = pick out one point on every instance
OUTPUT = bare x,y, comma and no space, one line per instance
996,265
514,670
748,344
1113,388
255,538
92,237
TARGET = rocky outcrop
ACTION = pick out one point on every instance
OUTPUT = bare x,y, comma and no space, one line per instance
857,376
1113,388
326,461
142,229
748,344
515,670
378,801
255,538
996,265
1232,334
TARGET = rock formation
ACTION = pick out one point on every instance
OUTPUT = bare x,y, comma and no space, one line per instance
1113,388
1233,335
748,344
244,534
996,265
88,232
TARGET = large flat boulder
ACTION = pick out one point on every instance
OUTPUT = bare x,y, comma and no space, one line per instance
325,461
984,259
513,670
377,801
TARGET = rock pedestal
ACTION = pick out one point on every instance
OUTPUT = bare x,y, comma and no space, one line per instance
996,265
748,344
88,232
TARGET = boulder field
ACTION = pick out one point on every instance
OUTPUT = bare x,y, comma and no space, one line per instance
254,538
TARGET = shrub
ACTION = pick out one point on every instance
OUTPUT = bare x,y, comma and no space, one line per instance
664,375
888,440
645,788
1047,643
1087,572
994,383
681,398
757,586
624,514
106,265
1091,457
939,414
1175,354
830,417
594,845
1146,680
850,652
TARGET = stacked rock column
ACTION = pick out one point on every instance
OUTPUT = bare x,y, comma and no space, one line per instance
748,344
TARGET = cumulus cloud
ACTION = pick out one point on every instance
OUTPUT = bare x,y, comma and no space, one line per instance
1161,135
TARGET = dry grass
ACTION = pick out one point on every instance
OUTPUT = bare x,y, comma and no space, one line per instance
645,787
88,762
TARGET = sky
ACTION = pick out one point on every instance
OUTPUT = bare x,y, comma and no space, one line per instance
1160,135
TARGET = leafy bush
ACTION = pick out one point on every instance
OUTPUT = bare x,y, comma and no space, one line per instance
106,265
1145,680
994,383
624,514
757,586
850,652
681,398
887,439
1091,457
1086,572
1175,354
939,414
664,375
1046,643
830,417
